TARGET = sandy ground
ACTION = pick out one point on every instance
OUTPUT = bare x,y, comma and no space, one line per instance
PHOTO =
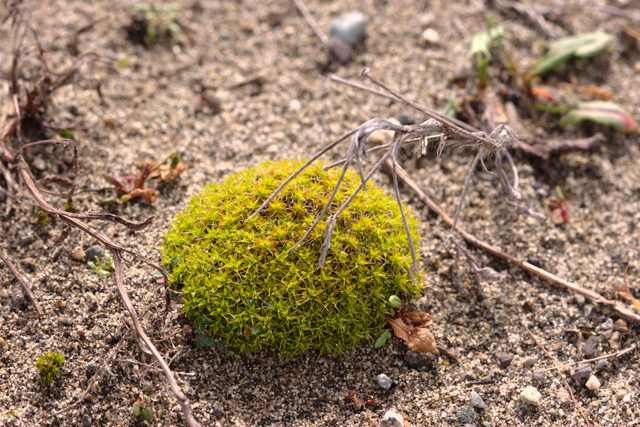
153,96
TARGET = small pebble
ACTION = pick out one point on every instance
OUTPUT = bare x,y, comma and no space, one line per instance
466,415
531,396
591,347
91,368
430,36
349,27
579,300
529,361
621,326
147,387
563,395
86,420
538,376
477,401
541,192
534,260
582,371
94,252
294,106
593,383
392,418
450,420
486,424
2,342
405,119
504,360
28,262
384,381
78,254
341,50
212,100
37,245
416,360
614,342
608,324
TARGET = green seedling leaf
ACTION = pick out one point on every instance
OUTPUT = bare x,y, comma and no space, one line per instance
147,399
581,46
147,414
174,262
603,112
481,42
395,301
136,408
382,339
67,134
559,192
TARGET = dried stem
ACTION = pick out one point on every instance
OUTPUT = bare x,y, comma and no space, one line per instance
23,282
311,21
606,356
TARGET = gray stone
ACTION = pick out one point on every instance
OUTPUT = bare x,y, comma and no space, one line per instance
537,376
466,415
529,361
93,252
591,347
504,360
384,381
601,364
147,387
477,401
582,371
531,396
91,368
579,300
341,50
392,418
608,324
86,420
349,27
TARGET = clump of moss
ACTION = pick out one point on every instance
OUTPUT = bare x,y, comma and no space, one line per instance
48,364
241,285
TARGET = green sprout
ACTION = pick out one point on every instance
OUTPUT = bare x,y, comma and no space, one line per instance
160,19
481,45
48,364
102,269
141,409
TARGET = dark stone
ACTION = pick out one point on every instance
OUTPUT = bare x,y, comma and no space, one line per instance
582,372
405,119
504,360
534,260
418,360
466,414
591,347
537,185
93,252
217,412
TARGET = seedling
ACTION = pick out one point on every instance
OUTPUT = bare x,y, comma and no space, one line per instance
48,364
161,21
142,410
580,46
606,113
132,187
102,269
481,45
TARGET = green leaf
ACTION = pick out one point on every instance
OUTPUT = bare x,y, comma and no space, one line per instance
582,46
147,414
147,399
204,341
67,134
395,301
136,408
481,42
382,339
603,112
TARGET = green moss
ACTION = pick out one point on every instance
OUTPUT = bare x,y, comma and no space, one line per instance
239,283
48,365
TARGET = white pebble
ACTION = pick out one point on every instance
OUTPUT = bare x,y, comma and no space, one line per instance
384,381
593,383
430,36
531,396
392,418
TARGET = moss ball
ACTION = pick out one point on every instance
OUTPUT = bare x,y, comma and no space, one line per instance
240,284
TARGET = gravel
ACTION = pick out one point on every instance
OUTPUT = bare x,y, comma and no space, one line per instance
153,98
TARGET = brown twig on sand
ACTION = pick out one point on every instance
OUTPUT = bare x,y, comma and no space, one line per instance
625,292
530,13
312,22
23,282
556,364
495,251
117,251
606,356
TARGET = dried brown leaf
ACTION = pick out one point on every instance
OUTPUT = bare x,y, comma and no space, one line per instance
169,174
148,194
419,340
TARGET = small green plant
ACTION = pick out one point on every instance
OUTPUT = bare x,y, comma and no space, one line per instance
48,364
481,45
142,409
43,217
102,269
580,46
67,134
161,21
241,285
